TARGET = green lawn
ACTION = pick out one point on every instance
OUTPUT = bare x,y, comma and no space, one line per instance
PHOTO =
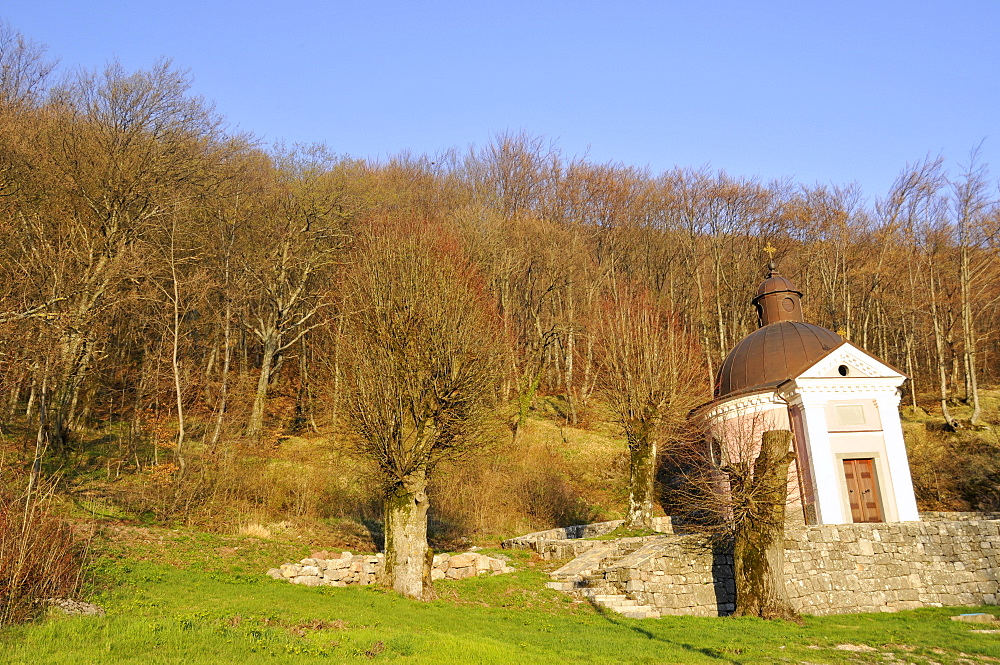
202,599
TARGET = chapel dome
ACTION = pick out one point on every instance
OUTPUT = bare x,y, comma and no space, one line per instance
776,283
781,348
773,354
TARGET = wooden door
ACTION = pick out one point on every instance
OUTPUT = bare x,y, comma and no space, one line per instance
862,490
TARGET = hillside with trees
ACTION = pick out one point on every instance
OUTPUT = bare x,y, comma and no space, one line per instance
198,328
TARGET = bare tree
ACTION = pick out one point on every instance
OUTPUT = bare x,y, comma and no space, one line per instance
304,230
917,205
651,375
421,373
24,69
758,495
123,151
971,205
732,487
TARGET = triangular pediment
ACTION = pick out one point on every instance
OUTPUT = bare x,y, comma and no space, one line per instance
848,361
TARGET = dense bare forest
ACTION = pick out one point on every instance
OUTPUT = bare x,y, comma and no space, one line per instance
177,300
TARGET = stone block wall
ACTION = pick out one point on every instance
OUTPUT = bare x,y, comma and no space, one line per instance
677,575
954,516
570,541
578,531
324,569
834,569
830,569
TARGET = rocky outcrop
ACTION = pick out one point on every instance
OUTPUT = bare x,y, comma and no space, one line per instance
344,569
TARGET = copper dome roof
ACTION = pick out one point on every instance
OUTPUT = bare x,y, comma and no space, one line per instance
775,283
773,354
782,348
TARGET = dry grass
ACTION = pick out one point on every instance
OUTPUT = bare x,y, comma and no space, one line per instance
553,476
255,531
314,488
955,470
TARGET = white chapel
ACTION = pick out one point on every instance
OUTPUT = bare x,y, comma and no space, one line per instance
840,402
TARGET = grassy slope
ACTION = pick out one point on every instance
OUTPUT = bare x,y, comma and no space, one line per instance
186,596
955,470
177,596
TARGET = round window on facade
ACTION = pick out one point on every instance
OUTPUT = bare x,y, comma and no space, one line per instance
844,370
788,304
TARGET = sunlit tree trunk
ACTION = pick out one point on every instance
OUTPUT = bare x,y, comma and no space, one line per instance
227,355
759,545
939,347
407,558
642,471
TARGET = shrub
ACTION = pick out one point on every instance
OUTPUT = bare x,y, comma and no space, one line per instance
39,557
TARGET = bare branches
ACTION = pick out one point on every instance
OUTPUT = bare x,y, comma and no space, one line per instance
650,375
421,372
420,353
651,371
24,69
39,311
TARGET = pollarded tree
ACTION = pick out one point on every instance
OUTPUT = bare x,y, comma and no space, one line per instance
732,487
651,374
420,376
758,494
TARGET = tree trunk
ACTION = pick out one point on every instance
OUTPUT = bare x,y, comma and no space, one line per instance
220,413
15,394
759,547
969,338
911,371
28,409
939,348
61,398
175,362
303,399
256,424
41,445
407,567
642,467
525,398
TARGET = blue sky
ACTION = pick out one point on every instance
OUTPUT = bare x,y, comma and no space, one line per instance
819,92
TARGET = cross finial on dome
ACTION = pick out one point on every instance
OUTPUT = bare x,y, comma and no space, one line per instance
771,249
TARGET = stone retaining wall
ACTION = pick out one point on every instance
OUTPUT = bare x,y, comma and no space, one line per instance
887,567
324,569
830,569
954,516
570,541
677,575
578,531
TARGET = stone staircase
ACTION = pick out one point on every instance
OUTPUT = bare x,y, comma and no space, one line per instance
594,572
622,604
585,577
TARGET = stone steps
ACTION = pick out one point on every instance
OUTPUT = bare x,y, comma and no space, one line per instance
587,563
623,605
584,577
601,556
